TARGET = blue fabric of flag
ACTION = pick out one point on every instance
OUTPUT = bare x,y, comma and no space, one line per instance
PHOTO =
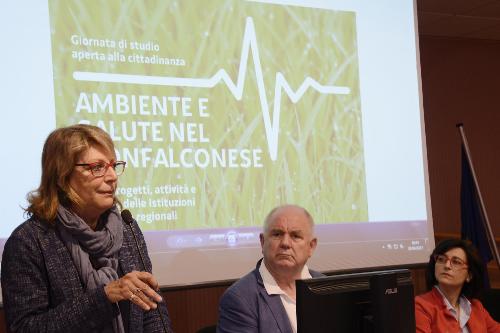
472,216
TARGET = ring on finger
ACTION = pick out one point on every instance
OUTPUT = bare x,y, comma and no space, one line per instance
137,290
132,297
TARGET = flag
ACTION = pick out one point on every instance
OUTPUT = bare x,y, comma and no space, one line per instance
473,219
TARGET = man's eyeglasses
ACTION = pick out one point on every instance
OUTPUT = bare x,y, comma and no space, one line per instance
98,169
455,262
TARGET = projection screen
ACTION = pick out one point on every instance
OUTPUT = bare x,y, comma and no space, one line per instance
224,109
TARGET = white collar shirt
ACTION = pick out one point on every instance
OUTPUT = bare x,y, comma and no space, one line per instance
464,314
272,288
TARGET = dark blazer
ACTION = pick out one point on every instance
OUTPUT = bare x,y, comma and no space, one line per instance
246,307
42,291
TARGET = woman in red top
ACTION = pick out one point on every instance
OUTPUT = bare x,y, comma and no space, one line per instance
455,276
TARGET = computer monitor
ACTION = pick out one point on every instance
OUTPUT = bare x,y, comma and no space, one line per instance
367,302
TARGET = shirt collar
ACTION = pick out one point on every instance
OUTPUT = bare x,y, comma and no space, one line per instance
270,283
464,303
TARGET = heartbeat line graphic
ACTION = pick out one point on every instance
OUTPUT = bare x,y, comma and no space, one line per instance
249,43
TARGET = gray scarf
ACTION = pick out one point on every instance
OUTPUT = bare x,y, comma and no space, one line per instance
95,253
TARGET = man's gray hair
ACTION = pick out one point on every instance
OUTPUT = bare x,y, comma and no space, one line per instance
269,218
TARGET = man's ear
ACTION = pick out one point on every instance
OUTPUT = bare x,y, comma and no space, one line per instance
313,243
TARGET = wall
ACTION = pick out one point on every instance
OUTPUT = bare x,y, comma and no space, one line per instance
461,83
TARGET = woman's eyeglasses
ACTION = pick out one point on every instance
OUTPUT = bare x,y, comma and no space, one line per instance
98,169
455,262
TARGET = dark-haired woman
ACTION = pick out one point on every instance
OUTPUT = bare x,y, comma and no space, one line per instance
455,277
73,265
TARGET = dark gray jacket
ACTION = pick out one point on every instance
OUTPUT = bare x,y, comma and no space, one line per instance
42,291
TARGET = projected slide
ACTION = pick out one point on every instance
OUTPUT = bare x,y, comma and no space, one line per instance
224,109
220,110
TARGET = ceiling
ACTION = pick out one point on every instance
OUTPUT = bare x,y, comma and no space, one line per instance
479,19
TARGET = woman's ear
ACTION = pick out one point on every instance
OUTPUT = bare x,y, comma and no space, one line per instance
469,277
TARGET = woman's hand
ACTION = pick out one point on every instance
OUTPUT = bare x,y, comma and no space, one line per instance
137,287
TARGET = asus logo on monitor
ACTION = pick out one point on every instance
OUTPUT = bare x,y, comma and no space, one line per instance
391,291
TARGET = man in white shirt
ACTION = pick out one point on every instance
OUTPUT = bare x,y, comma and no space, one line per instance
264,300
